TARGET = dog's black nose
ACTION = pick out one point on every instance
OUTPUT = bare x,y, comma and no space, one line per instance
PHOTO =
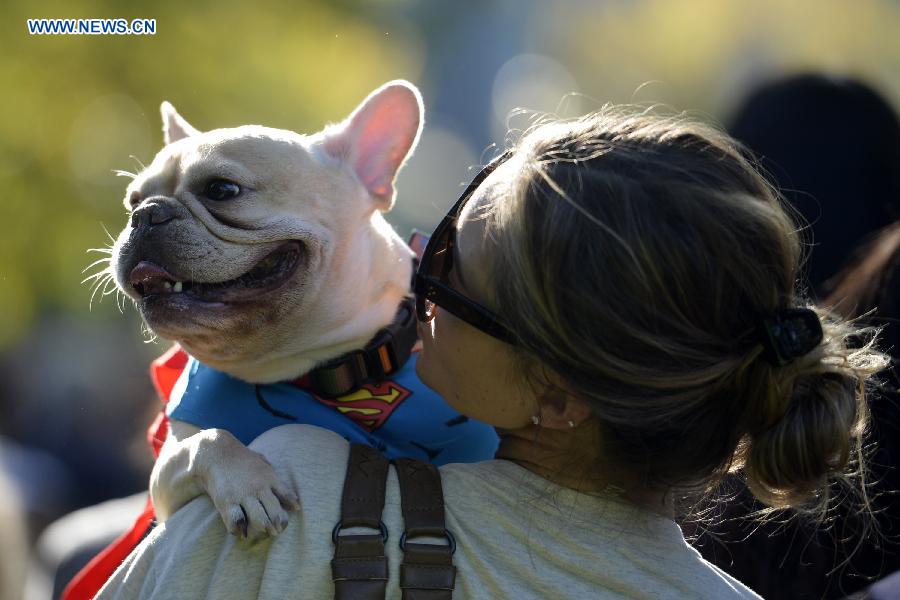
152,214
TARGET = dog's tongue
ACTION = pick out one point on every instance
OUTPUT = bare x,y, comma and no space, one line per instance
147,271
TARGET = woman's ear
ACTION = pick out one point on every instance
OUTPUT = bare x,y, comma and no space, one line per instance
560,408
564,413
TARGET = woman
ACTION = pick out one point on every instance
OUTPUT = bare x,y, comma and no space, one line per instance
616,296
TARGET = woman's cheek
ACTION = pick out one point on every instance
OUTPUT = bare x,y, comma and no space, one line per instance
432,363
424,362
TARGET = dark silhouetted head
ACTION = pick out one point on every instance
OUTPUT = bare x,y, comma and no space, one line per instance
832,144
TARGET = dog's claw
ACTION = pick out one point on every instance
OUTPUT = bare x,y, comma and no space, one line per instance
287,500
250,498
241,526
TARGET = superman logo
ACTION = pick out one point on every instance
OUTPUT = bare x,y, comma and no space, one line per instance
371,405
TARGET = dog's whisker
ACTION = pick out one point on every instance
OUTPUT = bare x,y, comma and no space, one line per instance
123,173
95,263
109,286
109,235
100,250
120,301
100,273
90,277
150,336
94,293
94,276
138,161
101,284
104,277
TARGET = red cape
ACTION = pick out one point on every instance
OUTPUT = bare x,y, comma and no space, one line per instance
164,371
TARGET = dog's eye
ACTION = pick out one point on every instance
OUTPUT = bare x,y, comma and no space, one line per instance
221,189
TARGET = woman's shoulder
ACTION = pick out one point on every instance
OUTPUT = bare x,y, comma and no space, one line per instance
519,533
317,443
517,536
497,504
308,451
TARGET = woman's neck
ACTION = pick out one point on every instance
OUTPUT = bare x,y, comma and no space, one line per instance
573,459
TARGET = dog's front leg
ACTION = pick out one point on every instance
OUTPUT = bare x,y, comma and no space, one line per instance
242,485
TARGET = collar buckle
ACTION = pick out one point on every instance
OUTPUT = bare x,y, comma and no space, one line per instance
386,353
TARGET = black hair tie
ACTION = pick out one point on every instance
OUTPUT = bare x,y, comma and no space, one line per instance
790,334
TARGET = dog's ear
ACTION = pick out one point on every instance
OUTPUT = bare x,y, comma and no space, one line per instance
174,125
378,136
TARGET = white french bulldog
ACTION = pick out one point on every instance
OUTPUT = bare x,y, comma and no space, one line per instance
264,252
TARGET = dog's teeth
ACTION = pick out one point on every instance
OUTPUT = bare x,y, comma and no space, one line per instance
167,286
177,287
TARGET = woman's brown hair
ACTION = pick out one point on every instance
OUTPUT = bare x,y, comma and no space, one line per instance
865,284
637,255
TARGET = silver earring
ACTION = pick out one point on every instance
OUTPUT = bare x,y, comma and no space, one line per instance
536,419
571,424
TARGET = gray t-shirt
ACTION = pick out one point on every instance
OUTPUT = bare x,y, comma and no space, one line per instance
519,536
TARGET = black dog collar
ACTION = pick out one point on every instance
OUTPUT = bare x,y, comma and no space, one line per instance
385,354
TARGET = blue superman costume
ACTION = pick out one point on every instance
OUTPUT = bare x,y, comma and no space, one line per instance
400,416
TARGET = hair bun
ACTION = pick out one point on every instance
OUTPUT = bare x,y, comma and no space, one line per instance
789,461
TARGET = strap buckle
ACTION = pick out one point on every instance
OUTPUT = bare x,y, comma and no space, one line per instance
451,540
335,533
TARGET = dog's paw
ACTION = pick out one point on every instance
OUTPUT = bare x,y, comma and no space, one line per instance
251,500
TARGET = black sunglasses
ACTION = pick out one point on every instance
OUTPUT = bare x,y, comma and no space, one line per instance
431,284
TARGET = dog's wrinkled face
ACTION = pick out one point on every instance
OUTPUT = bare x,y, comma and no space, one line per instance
223,233
251,245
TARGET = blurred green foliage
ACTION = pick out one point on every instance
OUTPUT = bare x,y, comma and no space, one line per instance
76,107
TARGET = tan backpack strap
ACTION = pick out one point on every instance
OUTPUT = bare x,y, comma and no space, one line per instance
427,571
359,568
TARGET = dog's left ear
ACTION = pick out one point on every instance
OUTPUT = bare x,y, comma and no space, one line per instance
378,136
175,127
